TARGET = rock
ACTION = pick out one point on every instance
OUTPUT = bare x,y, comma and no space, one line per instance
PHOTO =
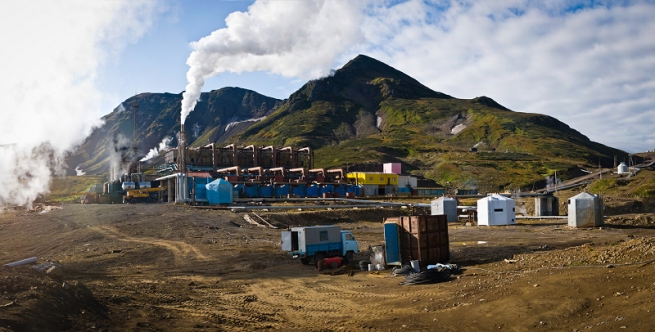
55,271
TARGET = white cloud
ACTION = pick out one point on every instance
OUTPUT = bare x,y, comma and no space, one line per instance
590,68
289,38
50,54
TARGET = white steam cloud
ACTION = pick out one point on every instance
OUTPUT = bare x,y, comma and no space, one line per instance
293,39
120,156
163,145
51,51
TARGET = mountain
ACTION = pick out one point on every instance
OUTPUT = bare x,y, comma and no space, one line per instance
219,115
368,112
364,114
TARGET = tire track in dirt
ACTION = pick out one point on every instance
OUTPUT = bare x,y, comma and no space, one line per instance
181,250
334,303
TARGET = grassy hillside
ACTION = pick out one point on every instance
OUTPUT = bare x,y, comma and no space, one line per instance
69,189
159,117
369,112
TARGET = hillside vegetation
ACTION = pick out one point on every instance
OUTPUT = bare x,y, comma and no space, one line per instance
369,113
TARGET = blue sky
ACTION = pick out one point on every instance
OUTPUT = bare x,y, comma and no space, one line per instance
583,62
157,62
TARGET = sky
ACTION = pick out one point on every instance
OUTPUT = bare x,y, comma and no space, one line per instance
65,64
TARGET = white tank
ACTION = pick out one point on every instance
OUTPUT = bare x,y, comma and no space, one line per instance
623,169
128,185
144,185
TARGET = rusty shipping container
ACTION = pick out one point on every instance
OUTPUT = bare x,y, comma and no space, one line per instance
422,237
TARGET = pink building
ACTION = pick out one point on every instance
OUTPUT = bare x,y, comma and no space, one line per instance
392,168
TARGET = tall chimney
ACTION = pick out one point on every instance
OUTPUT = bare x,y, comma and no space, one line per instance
182,151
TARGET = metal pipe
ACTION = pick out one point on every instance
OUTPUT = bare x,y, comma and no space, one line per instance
233,147
310,156
318,170
277,169
337,170
273,156
227,169
193,190
30,260
258,169
302,171
254,154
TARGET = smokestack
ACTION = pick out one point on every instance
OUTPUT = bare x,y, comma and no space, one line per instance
182,151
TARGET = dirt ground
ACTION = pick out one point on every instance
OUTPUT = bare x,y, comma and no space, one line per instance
162,267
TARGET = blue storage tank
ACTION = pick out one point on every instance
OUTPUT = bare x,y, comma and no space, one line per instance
267,190
219,192
298,190
282,190
253,191
312,190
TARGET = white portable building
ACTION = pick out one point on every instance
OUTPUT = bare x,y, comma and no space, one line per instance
623,169
447,206
496,210
585,210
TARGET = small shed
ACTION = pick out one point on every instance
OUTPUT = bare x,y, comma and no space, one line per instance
447,206
219,192
496,210
622,169
585,210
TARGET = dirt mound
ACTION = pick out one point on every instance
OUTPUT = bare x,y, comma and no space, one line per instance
30,300
630,252
300,218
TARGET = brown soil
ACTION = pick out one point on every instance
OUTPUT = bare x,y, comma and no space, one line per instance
162,267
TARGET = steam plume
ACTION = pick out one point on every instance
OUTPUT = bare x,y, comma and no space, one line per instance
50,56
163,145
301,39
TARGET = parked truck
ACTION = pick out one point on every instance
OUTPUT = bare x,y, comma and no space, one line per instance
313,243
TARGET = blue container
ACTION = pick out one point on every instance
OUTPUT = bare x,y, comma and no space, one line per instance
312,190
298,190
328,188
282,190
266,190
341,190
404,189
239,190
201,191
219,192
430,192
252,191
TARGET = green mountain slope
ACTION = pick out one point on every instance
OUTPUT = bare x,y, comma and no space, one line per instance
369,112
158,117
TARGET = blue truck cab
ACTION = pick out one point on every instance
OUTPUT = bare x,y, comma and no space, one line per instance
313,243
